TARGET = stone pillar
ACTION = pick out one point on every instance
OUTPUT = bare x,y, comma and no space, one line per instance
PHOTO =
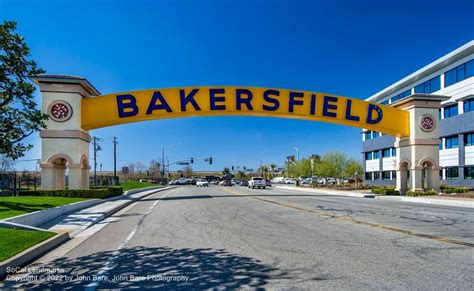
420,150
64,143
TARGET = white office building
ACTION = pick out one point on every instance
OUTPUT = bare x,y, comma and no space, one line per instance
451,75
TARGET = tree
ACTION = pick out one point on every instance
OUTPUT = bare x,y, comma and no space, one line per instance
333,164
188,171
139,167
154,168
19,115
226,171
273,167
241,175
263,170
352,167
6,164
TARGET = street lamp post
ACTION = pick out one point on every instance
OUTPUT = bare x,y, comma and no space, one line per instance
297,153
163,161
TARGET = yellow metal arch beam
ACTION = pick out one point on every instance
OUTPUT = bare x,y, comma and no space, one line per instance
127,107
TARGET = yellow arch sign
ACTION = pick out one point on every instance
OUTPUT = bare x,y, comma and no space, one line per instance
121,108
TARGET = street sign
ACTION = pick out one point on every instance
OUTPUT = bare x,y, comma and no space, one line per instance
183,163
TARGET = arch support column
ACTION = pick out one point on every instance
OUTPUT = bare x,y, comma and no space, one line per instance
64,143
419,152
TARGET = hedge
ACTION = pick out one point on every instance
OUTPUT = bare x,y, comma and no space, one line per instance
455,190
386,191
102,193
421,193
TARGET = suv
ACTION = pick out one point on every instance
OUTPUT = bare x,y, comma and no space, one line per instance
257,182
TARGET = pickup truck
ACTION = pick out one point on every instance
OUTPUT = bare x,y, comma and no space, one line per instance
257,182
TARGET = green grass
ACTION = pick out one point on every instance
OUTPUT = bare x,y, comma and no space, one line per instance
14,241
13,206
136,185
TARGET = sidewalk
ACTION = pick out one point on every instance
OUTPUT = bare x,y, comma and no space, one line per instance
423,200
74,223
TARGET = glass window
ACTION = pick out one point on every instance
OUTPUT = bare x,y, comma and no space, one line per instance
375,134
440,143
385,102
394,152
376,175
429,86
401,95
386,175
451,142
469,139
367,135
459,73
368,175
468,172
468,105
450,111
376,155
368,156
386,153
452,173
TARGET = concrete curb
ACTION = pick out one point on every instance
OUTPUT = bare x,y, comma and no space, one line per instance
328,192
133,191
454,203
42,216
31,254
120,207
6,224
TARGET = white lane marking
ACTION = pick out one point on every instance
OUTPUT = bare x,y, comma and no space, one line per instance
109,264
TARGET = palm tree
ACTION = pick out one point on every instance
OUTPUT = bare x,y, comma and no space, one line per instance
273,167
263,170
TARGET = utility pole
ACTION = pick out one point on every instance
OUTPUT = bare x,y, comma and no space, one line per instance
115,142
96,149
162,166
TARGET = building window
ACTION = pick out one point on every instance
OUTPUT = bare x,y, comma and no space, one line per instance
450,111
375,134
469,139
441,143
376,155
386,153
452,173
367,135
459,73
368,156
468,172
386,175
376,175
468,105
451,142
394,152
385,102
429,86
368,175
401,95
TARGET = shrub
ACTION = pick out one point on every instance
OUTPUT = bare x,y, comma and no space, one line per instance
386,191
455,190
101,193
421,193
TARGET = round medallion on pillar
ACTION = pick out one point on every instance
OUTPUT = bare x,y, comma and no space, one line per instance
60,111
427,123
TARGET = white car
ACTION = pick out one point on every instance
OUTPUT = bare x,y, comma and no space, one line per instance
257,182
202,183
181,181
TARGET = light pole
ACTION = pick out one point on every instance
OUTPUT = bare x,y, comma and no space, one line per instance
297,153
163,161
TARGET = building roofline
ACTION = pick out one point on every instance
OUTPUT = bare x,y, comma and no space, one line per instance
66,79
451,57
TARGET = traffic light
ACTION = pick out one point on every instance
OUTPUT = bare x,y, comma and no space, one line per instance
245,168
232,168
210,161
191,160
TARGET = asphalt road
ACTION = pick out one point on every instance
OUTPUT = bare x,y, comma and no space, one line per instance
235,237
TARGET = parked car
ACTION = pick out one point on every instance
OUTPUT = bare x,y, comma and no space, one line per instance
268,183
226,183
257,182
289,181
182,181
202,183
244,183
235,182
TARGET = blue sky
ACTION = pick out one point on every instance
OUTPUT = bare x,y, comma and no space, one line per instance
350,48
